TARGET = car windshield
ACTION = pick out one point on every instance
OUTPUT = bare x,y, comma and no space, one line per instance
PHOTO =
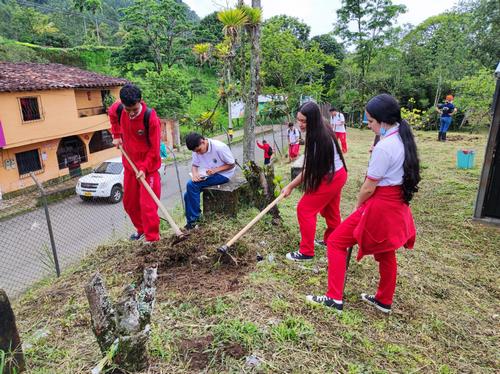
109,168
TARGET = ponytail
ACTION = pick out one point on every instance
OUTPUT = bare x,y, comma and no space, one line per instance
411,165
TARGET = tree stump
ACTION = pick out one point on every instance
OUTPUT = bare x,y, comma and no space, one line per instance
10,343
226,198
126,325
297,167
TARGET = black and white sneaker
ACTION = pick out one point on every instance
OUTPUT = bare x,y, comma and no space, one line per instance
370,299
319,243
297,256
137,236
190,226
326,301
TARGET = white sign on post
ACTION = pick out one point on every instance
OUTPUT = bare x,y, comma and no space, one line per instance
237,109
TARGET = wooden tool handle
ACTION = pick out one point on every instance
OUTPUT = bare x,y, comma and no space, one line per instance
257,218
148,188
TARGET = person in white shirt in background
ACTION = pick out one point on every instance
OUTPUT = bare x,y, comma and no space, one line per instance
212,164
337,121
293,141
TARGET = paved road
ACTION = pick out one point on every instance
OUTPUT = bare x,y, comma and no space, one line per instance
79,227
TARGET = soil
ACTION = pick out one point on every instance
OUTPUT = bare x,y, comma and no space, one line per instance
459,138
197,351
194,265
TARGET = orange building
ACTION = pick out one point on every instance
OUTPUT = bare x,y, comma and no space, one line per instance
52,121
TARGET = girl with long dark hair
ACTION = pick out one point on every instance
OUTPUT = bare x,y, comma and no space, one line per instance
382,222
323,176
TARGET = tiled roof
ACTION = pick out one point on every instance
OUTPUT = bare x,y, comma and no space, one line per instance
27,76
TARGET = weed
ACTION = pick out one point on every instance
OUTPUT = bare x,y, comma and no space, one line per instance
292,329
243,332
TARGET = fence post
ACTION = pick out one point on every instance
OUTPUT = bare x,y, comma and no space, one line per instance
49,224
178,178
10,343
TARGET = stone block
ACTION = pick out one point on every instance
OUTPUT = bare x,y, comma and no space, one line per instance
226,198
296,167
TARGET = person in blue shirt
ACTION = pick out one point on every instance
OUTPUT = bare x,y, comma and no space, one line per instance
445,110
163,156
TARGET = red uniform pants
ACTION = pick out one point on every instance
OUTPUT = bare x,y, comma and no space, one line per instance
326,201
338,243
293,150
341,136
140,206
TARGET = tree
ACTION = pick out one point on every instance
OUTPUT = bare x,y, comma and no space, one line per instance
329,46
209,30
92,6
163,26
167,92
299,30
254,17
372,21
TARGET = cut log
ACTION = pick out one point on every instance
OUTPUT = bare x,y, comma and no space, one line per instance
127,323
10,343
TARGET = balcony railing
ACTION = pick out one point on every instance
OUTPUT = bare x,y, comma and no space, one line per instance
88,112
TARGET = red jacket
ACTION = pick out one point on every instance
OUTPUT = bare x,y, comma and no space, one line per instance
145,155
266,147
387,223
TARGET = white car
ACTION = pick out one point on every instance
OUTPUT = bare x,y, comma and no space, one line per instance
106,181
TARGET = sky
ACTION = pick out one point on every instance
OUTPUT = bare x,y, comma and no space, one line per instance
321,14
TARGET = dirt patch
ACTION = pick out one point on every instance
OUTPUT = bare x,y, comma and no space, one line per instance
460,138
196,351
199,351
195,265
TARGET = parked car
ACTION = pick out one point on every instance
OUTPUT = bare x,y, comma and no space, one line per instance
105,181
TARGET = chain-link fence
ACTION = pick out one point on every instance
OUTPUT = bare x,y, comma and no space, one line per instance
43,231
47,229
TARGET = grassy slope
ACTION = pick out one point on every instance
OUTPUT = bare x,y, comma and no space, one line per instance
445,313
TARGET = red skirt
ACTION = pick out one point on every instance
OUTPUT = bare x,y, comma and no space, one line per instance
386,223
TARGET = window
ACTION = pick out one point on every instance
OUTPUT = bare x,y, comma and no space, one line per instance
100,141
30,109
28,161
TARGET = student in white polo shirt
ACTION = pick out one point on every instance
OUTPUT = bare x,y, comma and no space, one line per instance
337,121
383,221
212,164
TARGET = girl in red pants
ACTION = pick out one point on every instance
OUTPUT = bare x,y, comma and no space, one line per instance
382,221
323,176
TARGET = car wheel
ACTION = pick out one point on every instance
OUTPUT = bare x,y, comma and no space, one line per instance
86,198
116,195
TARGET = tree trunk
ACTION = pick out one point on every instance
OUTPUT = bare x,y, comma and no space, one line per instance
126,324
10,343
253,96
262,187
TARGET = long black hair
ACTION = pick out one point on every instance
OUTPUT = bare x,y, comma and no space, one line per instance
319,153
385,108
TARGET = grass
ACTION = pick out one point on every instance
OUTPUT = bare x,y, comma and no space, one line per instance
445,317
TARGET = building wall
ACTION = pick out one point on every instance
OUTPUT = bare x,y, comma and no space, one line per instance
59,119
88,98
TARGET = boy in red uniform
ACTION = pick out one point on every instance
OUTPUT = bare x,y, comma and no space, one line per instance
382,222
267,154
142,144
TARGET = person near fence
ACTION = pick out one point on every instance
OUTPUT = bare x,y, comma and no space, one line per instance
323,177
382,221
163,156
337,121
268,151
445,110
141,141
213,163
294,137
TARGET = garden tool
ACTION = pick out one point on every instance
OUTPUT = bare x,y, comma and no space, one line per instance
180,236
225,248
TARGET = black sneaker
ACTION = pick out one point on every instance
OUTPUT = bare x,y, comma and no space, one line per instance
297,256
326,301
191,226
319,243
370,299
137,236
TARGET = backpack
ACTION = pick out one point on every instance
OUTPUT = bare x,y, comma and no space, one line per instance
147,115
270,152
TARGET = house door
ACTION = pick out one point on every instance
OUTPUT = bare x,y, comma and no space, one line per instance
492,199
71,152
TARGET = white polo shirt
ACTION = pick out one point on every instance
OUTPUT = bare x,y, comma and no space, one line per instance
386,163
218,154
338,122
293,135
